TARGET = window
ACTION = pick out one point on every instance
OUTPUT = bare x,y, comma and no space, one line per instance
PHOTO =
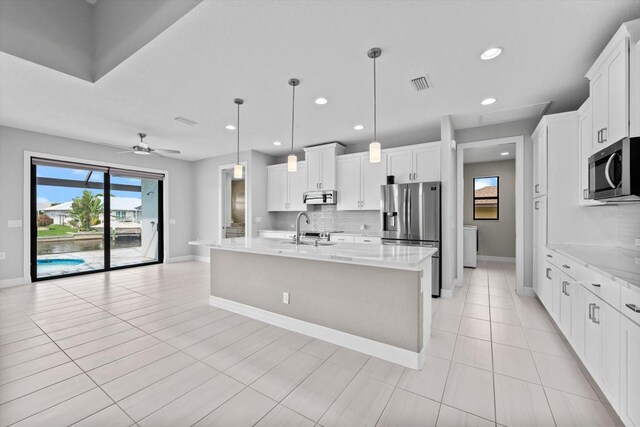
486,198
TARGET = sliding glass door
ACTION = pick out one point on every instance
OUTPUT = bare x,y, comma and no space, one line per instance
87,218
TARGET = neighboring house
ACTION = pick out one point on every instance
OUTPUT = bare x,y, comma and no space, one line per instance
123,209
486,208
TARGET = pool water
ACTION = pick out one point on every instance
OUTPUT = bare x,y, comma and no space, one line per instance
55,264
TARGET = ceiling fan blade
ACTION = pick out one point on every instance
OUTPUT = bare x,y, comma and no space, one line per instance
162,150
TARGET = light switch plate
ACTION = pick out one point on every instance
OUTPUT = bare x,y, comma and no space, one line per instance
3,255
14,223
285,297
257,219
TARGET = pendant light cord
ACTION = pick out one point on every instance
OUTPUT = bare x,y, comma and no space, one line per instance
238,137
375,106
293,112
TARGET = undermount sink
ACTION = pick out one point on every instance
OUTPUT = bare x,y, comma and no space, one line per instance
308,243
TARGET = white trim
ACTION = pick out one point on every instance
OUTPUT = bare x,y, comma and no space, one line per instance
8,283
520,191
400,356
528,292
446,293
26,215
247,196
183,258
202,258
496,258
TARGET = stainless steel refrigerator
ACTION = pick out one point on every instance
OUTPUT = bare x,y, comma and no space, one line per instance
411,216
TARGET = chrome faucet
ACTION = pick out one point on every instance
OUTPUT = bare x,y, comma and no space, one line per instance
300,215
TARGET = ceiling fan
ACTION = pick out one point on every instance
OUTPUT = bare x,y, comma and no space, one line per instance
144,149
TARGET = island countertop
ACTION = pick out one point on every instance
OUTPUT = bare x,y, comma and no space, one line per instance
388,256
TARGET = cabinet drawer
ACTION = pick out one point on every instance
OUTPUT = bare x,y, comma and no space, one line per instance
371,240
345,239
606,289
563,263
630,304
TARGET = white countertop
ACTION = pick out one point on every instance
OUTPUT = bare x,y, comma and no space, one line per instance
362,233
617,263
389,256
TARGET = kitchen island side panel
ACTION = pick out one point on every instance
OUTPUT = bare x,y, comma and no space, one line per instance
381,304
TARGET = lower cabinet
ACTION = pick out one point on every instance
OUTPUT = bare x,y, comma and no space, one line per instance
578,317
567,286
629,372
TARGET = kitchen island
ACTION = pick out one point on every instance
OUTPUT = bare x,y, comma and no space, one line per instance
374,299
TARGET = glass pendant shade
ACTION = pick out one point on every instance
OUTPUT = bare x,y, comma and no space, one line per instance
375,152
237,171
292,163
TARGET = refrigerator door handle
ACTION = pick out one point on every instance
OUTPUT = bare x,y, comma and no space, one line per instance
409,211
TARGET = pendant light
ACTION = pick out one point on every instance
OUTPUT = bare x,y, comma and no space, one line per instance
375,153
237,168
292,160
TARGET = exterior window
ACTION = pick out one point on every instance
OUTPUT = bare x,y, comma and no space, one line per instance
486,198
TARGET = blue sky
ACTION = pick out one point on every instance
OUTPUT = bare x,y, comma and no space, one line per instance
47,194
485,182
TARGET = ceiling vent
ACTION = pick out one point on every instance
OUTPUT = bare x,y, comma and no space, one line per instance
421,83
185,121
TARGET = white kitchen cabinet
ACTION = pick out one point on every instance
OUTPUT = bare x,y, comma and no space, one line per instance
567,285
629,372
592,337
609,90
367,240
539,241
321,166
585,149
416,163
359,182
274,234
540,146
285,189
342,238
556,291
578,318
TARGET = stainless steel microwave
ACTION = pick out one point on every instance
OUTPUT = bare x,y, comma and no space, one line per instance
614,172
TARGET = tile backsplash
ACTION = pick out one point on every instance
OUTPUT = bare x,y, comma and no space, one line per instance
628,225
328,218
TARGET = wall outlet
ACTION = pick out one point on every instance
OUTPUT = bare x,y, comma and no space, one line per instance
3,255
257,219
14,223
637,243
285,297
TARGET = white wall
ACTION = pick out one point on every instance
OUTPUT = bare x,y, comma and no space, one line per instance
503,130
14,142
495,237
449,193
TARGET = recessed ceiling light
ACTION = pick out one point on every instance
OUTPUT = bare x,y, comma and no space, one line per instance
277,143
358,127
321,101
230,127
488,101
506,153
491,53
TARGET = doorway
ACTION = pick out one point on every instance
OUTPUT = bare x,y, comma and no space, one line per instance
491,204
87,218
233,203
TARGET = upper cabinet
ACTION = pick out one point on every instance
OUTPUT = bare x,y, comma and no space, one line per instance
359,182
614,88
540,146
285,189
416,163
585,148
321,166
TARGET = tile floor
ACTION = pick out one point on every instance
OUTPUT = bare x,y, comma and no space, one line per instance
142,347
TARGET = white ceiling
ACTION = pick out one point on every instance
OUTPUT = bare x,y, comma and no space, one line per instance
490,154
227,49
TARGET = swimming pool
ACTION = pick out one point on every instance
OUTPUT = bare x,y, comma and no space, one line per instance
45,265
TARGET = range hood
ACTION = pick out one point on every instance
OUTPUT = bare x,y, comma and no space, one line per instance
320,197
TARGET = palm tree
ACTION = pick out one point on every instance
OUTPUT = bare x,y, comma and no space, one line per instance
86,209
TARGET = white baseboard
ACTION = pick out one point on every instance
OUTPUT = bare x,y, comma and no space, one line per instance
184,258
529,292
400,356
202,258
446,293
7,283
496,258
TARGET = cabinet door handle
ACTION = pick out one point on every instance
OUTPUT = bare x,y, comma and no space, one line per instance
549,256
566,289
596,285
565,266
537,188
633,308
548,274
537,206
599,136
585,194
596,321
591,306
604,134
